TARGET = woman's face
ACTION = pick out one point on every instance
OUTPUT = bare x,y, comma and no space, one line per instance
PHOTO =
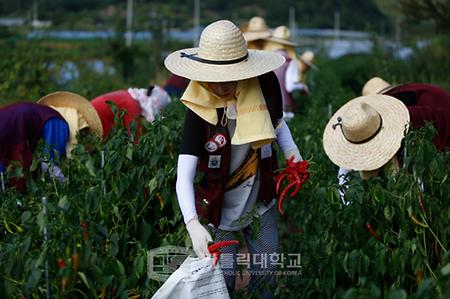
223,89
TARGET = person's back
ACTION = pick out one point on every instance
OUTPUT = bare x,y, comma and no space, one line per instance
123,100
21,126
20,129
426,103
421,94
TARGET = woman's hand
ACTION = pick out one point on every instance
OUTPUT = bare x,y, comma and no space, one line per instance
200,238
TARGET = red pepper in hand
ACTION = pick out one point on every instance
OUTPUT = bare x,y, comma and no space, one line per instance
296,174
214,248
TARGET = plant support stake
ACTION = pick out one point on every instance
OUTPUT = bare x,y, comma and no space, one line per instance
102,165
2,179
46,239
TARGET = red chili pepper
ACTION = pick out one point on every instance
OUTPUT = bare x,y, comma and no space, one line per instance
296,174
283,195
421,203
61,263
85,227
279,180
214,248
113,291
373,232
75,266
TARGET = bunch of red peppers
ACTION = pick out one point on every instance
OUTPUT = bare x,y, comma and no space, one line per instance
296,174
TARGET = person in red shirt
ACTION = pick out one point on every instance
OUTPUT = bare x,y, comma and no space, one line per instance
425,102
137,103
418,102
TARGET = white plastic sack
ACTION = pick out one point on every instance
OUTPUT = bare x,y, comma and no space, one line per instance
195,279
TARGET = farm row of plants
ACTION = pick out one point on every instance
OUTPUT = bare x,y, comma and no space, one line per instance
390,241
94,231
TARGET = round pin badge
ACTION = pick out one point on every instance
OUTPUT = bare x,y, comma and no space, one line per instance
211,146
220,139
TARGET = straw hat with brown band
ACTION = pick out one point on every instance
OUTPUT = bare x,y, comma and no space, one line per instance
366,132
376,85
256,29
307,58
222,56
65,99
282,36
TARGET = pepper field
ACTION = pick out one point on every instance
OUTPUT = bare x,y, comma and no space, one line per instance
91,236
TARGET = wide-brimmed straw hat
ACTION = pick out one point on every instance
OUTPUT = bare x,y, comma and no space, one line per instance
366,132
256,29
375,85
65,99
307,58
282,35
222,56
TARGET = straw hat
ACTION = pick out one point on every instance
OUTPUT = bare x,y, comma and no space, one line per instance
366,132
222,56
65,99
256,29
307,58
375,85
282,35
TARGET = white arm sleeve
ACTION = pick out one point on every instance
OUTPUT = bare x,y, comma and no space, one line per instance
187,166
286,142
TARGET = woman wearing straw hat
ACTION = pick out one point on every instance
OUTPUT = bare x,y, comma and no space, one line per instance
234,114
288,74
137,102
256,33
306,62
411,94
22,125
280,42
78,113
369,130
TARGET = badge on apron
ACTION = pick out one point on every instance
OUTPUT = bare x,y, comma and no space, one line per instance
211,146
214,161
266,151
220,139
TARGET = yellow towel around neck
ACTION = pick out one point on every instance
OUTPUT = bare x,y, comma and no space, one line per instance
76,123
253,123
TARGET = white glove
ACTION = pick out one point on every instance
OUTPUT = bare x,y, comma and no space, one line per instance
343,178
200,238
293,153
